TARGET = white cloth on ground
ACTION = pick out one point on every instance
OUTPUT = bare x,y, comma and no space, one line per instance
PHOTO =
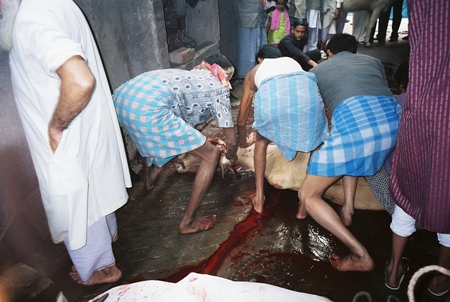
201,287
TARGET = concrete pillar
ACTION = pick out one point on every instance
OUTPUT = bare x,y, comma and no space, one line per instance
130,36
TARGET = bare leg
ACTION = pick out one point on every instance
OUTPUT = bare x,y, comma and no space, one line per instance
311,193
209,158
347,210
107,275
301,212
321,45
395,268
150,174
440,282
260,168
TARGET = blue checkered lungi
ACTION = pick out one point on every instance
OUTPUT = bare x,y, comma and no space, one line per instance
143,108
363,133
289,111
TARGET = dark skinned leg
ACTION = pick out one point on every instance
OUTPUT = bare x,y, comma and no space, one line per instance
347,210
395,268
441,282
150,174
310,195
209,158
260,168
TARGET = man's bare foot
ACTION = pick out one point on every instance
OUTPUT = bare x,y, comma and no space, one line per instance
150,177
107,275
346,216
352,262
301,213
258,203
199,225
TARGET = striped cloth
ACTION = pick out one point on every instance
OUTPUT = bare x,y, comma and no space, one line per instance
143,108
420,174
250,41
363,133
289,111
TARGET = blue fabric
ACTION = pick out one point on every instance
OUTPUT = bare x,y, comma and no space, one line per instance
363,133
289,111
250,41
143,108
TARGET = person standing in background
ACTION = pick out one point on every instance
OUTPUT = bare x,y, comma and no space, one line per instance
314,24
278,25
331,11
252,33
359,25
297,11
383,21
65,105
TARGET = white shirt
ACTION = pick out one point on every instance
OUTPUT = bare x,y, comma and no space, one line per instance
273,67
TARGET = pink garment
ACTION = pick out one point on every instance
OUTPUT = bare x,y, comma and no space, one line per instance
216,71
276,21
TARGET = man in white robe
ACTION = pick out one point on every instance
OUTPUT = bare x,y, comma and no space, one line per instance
68,116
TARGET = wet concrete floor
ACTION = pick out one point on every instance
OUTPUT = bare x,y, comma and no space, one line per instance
273,248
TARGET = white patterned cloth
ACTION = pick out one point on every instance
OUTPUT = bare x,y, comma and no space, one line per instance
160,108
202,287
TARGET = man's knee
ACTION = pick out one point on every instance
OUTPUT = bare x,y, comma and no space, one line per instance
304,195
212,153
314,55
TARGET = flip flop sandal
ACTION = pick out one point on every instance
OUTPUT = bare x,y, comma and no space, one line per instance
406,266
438,294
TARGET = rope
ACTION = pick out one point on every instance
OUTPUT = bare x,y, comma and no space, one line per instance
419,273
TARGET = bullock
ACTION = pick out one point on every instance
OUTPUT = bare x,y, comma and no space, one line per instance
374,9
284,174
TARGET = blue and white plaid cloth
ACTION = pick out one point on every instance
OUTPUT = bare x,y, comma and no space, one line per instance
290,112
143,108
363,133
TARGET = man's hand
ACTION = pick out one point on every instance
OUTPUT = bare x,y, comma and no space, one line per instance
232,152
54,137
337,13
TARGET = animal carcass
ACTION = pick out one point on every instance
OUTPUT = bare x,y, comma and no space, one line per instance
374,9
283,174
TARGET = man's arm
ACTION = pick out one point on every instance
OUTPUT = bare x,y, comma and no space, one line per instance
77,85
295,52
248,90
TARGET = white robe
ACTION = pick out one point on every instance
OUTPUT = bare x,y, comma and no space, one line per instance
86,177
